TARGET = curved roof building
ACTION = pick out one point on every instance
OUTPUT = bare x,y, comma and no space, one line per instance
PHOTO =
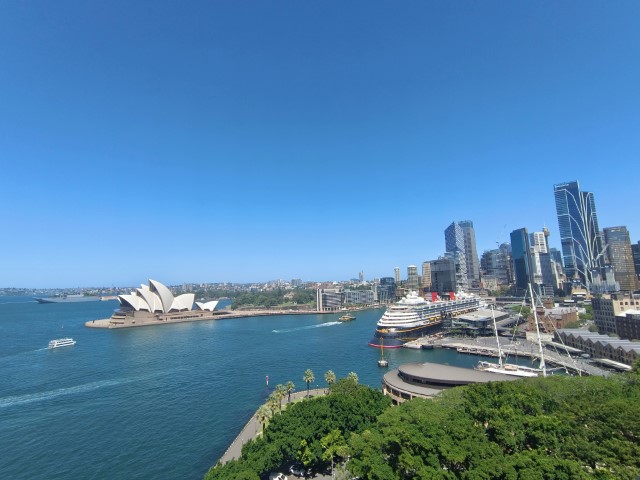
208,306
156,298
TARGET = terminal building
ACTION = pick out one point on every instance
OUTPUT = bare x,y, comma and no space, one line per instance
426,380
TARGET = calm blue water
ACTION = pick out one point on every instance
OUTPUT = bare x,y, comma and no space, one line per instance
159,402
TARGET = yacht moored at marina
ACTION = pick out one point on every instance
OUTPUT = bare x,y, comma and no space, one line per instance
414,317
61,342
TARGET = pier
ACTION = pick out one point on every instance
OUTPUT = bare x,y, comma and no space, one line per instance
487,346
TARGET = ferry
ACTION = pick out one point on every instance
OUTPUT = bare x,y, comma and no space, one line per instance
62,342
347,317
413,317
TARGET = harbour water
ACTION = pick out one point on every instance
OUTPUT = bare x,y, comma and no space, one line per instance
164,401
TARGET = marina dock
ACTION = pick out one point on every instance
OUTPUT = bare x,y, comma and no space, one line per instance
487,346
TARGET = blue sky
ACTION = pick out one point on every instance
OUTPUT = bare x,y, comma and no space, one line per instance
248,141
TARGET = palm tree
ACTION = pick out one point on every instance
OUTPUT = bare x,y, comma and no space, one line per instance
330,378
272,403
290,387
308,377
280,392
353,376
263,415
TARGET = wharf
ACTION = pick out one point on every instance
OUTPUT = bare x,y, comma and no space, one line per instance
487,346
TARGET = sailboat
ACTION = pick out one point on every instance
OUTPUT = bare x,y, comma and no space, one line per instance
511,368
382,362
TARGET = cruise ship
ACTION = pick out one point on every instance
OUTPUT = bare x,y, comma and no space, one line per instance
414,317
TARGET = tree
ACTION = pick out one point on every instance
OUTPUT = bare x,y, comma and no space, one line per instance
334,446
353,376
308,377
263,415
290,387
279,393
330,378
273,403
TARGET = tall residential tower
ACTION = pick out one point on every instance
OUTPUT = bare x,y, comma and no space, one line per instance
471,253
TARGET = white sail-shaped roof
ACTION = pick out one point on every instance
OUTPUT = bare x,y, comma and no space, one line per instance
152,299
183,302
209,306
133,301
157,298
166,297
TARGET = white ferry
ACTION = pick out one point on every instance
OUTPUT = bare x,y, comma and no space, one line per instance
413,317
62,342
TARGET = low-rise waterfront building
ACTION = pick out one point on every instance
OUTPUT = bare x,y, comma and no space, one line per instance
476,324
426,380
628,325
329,299
607,306
600,346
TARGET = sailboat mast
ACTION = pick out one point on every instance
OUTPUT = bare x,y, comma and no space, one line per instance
535,317
495,330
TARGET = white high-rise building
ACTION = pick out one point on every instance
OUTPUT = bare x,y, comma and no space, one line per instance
412,277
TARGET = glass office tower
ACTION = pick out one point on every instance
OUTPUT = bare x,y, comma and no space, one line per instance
579,233
521,254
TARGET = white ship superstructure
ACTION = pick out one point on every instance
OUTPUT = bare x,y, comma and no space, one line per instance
413,317
62,342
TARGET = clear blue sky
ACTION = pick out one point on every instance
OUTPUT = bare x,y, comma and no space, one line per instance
253,140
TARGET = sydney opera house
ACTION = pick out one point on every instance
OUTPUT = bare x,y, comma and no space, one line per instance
154,303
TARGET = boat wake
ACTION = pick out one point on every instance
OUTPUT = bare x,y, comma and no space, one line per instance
308,327
16,400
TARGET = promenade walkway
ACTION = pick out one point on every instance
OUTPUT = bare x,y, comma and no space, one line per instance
253,427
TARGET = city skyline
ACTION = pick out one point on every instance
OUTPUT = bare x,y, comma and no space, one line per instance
219,142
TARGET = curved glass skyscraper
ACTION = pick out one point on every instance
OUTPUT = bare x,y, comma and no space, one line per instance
580,236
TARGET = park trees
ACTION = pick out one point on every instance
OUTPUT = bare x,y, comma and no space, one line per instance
308,378
263,415
552,428
290,387
330,378
279,393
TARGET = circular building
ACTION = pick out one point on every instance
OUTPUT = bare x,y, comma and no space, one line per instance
426,380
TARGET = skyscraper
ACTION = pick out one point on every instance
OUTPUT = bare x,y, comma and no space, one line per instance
471,252
521,254
579,233
454,245
621,257
396,275
635,249
426,275
412,277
